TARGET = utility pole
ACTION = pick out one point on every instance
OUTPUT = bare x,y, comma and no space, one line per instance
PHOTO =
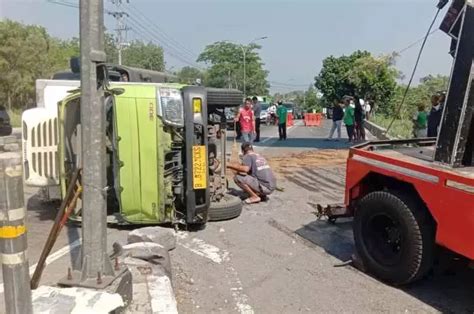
121,27
13,245
244,52
95,268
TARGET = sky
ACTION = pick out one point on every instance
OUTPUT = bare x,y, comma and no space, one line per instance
301,33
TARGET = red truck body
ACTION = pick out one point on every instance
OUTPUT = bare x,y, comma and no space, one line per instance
447,193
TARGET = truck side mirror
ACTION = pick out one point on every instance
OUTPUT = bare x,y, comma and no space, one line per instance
75,65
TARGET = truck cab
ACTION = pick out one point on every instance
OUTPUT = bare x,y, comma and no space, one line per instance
160,150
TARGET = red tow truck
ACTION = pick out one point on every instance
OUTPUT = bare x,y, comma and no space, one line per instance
408,196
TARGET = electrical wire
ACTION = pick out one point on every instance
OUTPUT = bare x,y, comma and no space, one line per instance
407,89
161,33
415,43
167,48
154,38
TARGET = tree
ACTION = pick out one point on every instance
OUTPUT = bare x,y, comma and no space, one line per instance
227,70
359,74
421,94
375,78
333,79
146,56
189,75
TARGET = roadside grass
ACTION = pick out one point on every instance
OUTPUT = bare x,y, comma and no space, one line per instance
400,128
15,117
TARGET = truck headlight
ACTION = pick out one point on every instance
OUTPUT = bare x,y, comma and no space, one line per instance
171,105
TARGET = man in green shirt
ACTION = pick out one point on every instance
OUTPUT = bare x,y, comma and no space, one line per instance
420,122
349,119
282,114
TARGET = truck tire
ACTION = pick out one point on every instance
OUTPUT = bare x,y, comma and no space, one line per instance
229,207
220,97
394,237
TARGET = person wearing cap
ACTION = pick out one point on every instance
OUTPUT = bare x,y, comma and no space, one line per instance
254,175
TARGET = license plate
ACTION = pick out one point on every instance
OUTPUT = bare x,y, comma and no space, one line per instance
199,167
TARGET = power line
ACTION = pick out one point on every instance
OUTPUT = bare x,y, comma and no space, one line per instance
416,42
166,47
162,34
407,89
122,27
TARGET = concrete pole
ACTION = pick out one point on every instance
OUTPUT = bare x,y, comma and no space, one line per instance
13,244
95,262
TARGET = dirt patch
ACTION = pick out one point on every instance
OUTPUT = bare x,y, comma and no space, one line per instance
308,159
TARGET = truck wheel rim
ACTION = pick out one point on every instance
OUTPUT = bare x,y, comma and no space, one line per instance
382,236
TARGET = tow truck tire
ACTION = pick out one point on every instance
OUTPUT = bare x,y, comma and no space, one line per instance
394,237
228,208
224,97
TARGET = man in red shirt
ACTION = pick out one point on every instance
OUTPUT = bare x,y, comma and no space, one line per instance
246,119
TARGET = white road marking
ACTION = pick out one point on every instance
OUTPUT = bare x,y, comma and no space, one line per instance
162,296
53,257
219,256
203,249
240,298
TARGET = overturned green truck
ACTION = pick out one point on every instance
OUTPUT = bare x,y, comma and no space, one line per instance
164,160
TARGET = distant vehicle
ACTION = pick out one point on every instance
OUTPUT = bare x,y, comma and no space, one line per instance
5,126
264,112
290,107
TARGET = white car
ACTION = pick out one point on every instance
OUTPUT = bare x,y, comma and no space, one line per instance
264,112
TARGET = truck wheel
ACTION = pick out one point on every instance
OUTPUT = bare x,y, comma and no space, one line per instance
224,97
394,237
229,207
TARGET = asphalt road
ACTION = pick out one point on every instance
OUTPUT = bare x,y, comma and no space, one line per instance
276,257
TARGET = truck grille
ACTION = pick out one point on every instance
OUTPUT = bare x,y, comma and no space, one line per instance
40,148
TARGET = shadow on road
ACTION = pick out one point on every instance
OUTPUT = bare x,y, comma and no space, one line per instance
303,142
46,211
448,288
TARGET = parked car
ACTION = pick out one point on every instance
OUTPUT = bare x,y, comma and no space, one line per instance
264,112
5,125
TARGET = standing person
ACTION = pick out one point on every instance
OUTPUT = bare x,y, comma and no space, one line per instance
271,118
254,175
367,109
434,117
359,116
246,120
349,118
420,120
282,114
257,110
337,116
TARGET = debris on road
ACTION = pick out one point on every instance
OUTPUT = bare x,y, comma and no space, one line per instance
163,236
55,300
313,158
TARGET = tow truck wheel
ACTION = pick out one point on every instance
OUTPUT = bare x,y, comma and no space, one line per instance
394,237
229,207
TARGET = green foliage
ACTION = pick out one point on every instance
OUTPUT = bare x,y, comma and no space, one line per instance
227,67
144,56
359,74
400,128
309,100
333,79
28,53
416,95
189,75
